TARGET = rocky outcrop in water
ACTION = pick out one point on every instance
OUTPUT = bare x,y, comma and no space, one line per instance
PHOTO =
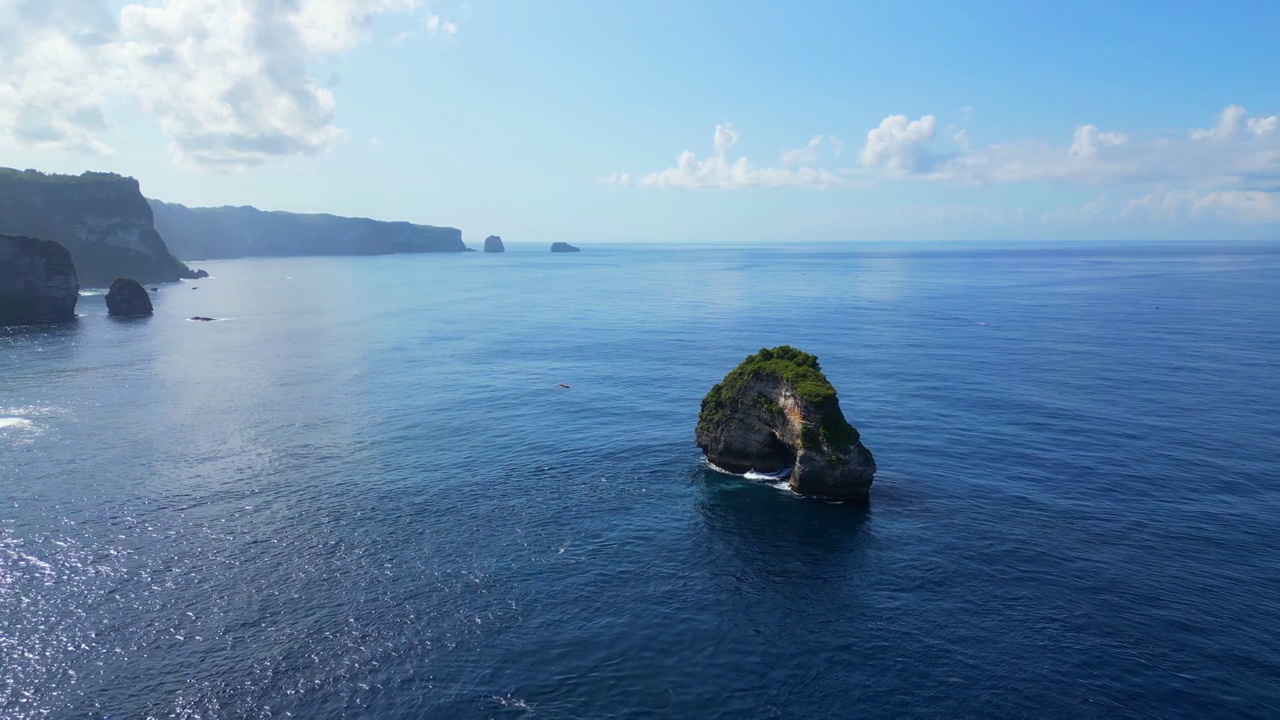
235,232
564,247
777,410
127,298
38,282
101,218
493,244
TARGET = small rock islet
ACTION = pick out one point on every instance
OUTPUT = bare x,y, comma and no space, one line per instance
777,410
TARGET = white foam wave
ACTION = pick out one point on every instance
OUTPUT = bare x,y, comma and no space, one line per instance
31,411
24,561
91,293
780,479
783,474
17,423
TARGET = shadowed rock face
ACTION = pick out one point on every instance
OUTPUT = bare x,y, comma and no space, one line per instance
127,298
777,410
101,218
564,247
493,244
37,282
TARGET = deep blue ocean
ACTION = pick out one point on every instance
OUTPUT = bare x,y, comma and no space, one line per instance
361,492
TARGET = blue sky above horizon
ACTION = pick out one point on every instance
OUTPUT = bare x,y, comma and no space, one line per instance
669,121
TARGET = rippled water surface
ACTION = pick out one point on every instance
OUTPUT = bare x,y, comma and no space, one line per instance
361,492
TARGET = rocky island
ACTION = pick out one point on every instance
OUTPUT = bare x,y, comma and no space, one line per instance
101,218
127,298
493,244
777,410
564,247
38,282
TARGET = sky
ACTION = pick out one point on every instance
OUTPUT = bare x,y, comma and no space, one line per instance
669,121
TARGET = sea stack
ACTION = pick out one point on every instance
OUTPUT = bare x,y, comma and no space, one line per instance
38,282
777,410
127,298
493,244
564,247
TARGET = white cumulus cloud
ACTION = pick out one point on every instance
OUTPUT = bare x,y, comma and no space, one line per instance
725,138
1238,150
1088,138
231,82
1233,123
1262,126
901,145
1228,173
721,172
52,80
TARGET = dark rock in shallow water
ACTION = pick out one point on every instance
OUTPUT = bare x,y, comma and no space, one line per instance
493,244
564,247
155,289
777,410
127,298
200,274
203,319
38,282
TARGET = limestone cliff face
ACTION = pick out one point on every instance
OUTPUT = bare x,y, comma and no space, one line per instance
493,244
234,232
777,410
100,217
38,282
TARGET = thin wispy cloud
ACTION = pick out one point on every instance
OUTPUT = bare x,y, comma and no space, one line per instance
432,24
806,155
437,25
1250,207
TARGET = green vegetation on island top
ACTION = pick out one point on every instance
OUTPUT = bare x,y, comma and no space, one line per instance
38,176
802,373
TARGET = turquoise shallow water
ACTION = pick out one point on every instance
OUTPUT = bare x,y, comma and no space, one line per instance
362,494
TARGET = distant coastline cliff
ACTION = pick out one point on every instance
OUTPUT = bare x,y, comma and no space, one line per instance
235,232
101,218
